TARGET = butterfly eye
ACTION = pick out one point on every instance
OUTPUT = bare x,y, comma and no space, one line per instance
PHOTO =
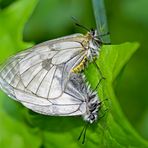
92,32
92,117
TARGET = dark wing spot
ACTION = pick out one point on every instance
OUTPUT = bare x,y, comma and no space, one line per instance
46,64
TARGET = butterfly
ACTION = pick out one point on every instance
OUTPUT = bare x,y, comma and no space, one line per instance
46,78
77,99
44,69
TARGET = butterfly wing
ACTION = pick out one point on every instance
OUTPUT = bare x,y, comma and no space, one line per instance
9,74
44,69
70,103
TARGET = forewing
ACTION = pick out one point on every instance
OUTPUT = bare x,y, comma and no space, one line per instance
9,74
44,69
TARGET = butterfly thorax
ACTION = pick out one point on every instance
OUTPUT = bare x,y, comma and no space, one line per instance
93,45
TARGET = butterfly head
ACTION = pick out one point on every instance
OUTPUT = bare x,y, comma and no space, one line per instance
93,105
94,43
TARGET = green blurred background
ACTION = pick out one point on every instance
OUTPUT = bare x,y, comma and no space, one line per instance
127,20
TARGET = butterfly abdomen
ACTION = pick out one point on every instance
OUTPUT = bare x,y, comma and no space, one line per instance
80,66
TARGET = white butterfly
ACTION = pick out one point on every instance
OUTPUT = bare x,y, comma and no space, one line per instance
77,99
44,69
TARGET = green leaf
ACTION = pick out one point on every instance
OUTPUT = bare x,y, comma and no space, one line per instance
12,21
115,130
14,131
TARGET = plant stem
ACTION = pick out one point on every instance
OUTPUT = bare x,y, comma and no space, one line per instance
101,19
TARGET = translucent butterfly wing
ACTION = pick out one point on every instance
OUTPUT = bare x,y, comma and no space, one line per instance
44,69
71,102
9,74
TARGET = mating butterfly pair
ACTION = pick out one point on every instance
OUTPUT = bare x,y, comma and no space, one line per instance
46,78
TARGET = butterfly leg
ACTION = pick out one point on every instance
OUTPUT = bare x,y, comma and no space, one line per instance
102,77
99,70
105,111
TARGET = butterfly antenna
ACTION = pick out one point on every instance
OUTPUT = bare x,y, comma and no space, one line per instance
84,135
81,133
78,24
